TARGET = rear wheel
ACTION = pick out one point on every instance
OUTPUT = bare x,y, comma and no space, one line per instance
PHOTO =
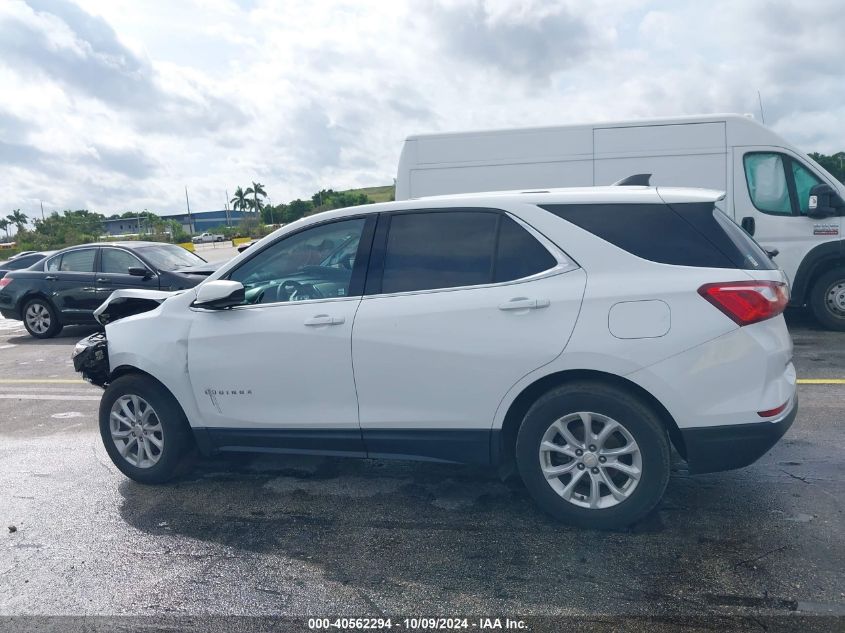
827,299
593,455
143,429
40,319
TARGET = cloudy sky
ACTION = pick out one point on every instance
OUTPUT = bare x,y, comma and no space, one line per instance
116,105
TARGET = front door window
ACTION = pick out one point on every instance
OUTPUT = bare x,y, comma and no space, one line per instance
316,263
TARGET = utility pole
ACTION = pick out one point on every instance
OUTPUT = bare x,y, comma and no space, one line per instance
228,220
42,209
190,217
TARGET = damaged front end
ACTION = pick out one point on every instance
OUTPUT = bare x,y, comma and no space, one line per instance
124,303
91,354
91,359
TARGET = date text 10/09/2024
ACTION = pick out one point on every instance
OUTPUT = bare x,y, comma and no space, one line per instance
416,624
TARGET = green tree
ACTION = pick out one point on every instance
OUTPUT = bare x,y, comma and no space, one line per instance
273,214
297,209
5,224
835,164
71,227
240,202
257,192
18,219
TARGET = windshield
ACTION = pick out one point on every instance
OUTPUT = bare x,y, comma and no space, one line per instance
169,257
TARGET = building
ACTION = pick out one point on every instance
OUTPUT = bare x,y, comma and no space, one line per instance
203,221
121,226
197,222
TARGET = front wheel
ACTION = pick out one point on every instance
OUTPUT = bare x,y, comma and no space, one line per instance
827,299
593,455
144,429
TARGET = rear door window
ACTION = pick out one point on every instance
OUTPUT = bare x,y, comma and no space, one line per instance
439,249
428,250
81,261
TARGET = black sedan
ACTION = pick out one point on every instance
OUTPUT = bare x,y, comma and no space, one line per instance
24,260
69,285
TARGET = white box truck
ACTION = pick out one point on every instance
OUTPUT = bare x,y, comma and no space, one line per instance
772,187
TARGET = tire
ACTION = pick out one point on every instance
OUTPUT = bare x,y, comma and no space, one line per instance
40,318
827,299
166,442
605,406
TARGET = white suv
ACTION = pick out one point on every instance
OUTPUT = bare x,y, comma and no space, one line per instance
573,335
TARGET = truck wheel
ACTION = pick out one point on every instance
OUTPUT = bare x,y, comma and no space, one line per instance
144,429
40,319
593,455
827,299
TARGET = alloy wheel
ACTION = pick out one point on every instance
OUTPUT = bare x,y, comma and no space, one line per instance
136,431
590,460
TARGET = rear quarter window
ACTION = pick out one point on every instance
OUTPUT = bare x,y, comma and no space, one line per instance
681,234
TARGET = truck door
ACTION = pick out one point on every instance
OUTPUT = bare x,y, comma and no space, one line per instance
771,197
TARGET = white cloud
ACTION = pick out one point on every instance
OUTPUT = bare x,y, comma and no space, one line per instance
119,105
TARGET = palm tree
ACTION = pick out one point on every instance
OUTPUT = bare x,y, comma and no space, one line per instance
4,224
240,202
256,190
18,219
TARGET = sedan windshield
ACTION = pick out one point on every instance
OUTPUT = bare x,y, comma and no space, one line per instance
169,257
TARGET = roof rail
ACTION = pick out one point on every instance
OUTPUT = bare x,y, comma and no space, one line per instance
637,180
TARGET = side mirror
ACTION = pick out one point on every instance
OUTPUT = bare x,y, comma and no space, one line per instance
139,271
219,294
824,202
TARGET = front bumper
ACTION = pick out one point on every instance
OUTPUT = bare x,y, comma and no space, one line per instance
91,359
712,449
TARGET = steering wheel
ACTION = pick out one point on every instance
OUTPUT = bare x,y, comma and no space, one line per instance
290,290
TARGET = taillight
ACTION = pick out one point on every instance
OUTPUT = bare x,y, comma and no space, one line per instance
747,302
5,282
769,413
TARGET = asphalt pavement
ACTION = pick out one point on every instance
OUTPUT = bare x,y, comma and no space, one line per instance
304,536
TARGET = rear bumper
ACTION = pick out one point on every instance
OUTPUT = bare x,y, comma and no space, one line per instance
716,448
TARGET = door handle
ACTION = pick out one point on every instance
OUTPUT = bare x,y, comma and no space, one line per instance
102,280
324,319
51,277
522,303
748,224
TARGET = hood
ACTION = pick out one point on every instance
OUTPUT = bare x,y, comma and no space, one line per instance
124,303
205,268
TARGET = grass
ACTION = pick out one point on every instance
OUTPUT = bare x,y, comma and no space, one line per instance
376,194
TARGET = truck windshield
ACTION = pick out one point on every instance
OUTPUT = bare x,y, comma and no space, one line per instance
170,257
